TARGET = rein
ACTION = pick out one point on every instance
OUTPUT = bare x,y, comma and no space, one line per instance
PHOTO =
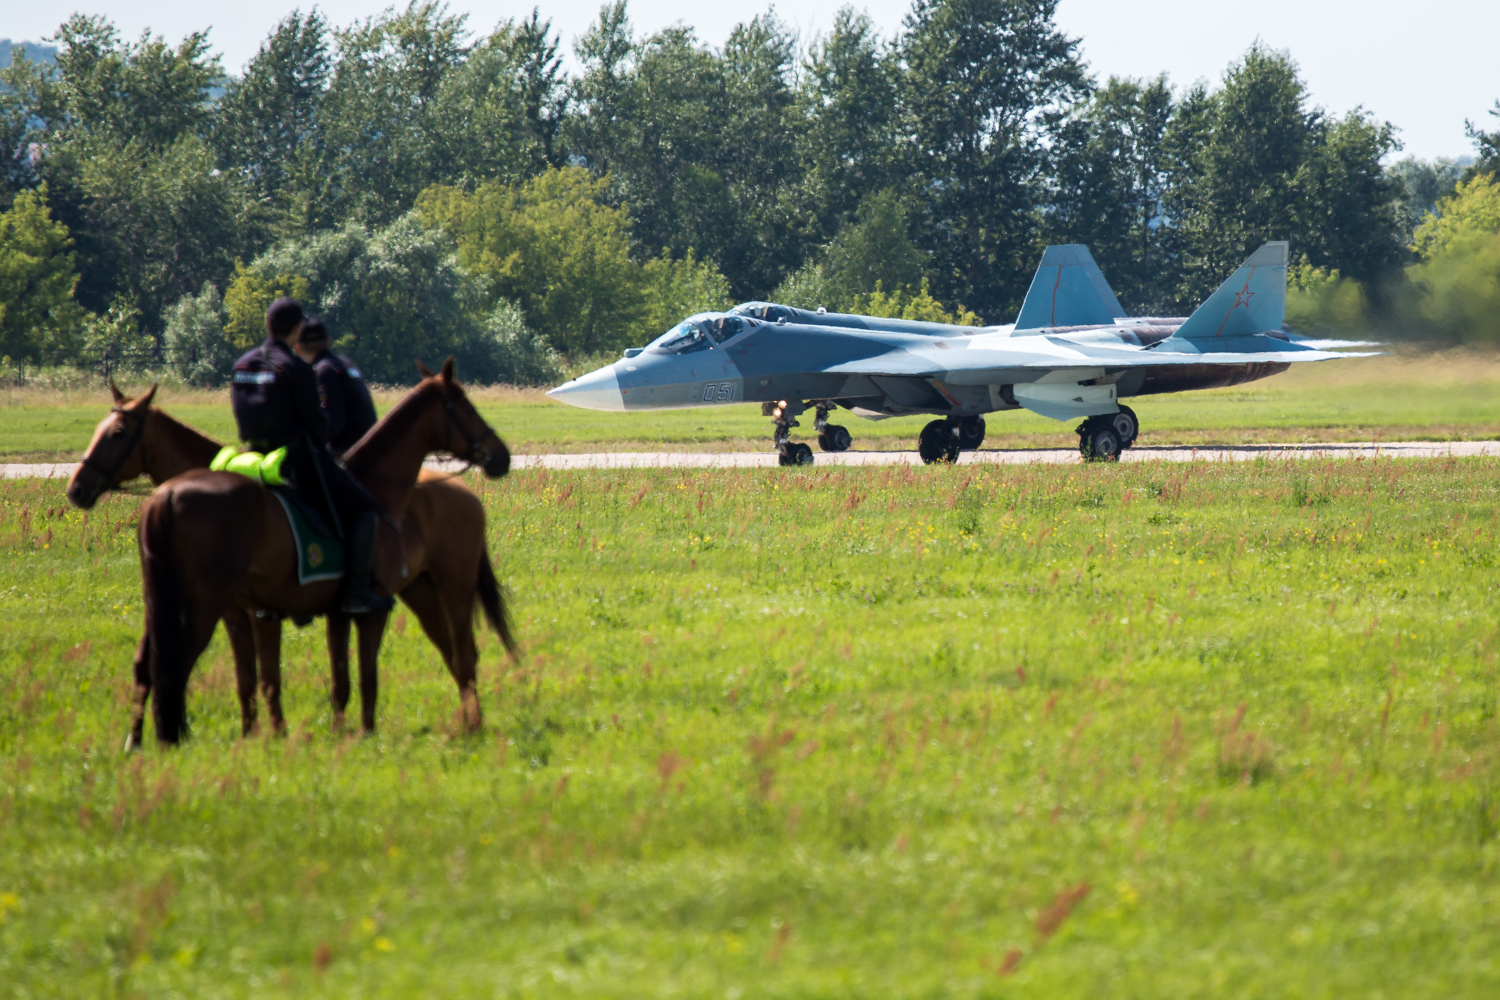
133,436
478,453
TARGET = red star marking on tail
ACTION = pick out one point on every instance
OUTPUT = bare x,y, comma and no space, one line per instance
1243,297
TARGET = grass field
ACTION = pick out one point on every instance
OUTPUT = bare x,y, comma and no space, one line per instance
1410,395
1112,731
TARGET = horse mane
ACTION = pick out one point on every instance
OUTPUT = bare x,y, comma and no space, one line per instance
396,422
187,438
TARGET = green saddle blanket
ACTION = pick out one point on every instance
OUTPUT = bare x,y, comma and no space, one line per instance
319,556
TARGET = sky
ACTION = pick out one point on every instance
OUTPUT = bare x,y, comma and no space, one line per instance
1424,67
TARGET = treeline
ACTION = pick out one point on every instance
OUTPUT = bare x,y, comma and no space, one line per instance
432,191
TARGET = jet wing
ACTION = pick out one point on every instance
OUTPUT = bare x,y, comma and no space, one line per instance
973,362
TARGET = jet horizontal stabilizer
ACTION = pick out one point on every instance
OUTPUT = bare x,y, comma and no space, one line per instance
1068,290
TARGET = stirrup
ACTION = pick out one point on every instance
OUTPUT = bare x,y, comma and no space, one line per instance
366,601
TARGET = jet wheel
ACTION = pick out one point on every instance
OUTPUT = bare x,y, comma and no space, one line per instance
835,438
938,442
1125,426
1098,440
970,433
795,453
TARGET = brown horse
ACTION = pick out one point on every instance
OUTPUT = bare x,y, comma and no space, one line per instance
212,541
135,439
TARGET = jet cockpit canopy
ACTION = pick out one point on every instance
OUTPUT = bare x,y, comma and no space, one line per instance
698,333
768,311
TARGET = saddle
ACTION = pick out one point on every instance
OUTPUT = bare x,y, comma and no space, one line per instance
320,554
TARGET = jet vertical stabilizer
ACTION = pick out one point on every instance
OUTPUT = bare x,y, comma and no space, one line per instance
1252,301
1068,290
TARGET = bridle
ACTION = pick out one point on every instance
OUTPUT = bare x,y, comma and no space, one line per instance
479,454
133,436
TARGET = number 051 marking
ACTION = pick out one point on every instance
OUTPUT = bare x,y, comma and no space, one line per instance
718,392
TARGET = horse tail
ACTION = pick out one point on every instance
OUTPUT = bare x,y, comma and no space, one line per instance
166,619
492,600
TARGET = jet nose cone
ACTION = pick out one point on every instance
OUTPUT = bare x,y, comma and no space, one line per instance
598,390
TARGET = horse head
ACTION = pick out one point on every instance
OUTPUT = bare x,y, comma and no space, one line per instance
115,454
466,435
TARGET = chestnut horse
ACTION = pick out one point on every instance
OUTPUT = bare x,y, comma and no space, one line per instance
134,439
215,541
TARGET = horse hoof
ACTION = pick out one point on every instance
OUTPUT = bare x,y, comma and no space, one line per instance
132,745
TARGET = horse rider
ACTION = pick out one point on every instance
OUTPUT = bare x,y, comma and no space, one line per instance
274,394
346,399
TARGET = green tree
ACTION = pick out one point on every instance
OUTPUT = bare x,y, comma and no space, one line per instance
875,250
197,349
248,297
1110,179
393,295
699,143
1421,184
507,350
986,86
1456,286
1256,164
1486,144
1471,213
128,172
37,313
19,151
147,92
383,111
504,107
552,246
847,103
151,224
269,125
914,305
674,289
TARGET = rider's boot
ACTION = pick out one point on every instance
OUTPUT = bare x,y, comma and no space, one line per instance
359,564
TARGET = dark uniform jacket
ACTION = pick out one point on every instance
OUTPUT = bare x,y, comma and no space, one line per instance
274,394
275,398
346,400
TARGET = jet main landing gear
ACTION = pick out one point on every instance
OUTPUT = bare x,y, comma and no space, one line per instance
1102,438
831,437
942,440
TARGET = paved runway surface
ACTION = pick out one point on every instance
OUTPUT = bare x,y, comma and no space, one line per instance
1053,456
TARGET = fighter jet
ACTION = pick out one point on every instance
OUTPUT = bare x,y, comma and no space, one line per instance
1071,353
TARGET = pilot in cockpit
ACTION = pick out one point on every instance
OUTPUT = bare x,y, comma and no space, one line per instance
698,333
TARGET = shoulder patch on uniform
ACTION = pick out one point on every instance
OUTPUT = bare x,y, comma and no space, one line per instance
254,378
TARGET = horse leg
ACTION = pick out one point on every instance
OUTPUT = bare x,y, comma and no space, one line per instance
242,642
338,661
371,628
139,695
458,602
430,605
268,647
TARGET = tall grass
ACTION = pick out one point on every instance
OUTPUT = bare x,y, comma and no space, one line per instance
1145,730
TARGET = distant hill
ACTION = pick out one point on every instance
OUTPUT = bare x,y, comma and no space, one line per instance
35,51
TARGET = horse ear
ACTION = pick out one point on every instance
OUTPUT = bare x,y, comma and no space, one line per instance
145,399
426,372
120,397
448,369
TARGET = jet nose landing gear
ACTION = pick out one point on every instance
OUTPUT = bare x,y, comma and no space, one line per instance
784,412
